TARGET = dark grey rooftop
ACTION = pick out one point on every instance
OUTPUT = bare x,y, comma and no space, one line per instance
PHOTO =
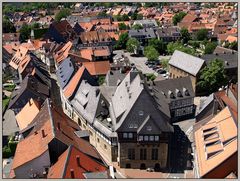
114,77
168,32
166,91
230,60
146,33
97,175
65,72
10,126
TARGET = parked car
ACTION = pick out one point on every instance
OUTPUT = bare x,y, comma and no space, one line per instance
161,71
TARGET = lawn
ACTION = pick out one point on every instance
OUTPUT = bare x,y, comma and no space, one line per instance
5,102
9,88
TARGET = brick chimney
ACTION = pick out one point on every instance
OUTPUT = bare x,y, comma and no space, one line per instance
43,133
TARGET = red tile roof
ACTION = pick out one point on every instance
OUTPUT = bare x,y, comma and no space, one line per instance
97,68
63,52
20,55
67,162
74,82
56,125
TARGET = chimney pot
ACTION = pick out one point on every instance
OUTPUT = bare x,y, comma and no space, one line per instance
43,133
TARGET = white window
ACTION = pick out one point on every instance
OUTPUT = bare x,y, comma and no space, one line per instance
151,138
125,135
135,126
145,138
156,138
130,135
140,138
130,125
149,128
140,113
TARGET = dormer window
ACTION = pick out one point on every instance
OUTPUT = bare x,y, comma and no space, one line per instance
149,128
170,94
178,93
140,113
185,91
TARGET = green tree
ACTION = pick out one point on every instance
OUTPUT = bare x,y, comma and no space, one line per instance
125,17
172,46
35,25
178,17
151,53
212,77
164,63
234,45
139,16
210,47
8,26
136,16
132,45
159,45
123,26
63,13
25,32
137,27
202,34
122,41
102,14
185,35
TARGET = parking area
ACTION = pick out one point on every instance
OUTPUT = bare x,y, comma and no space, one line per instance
143,65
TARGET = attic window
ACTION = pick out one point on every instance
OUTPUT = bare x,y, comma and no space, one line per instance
149,128
140,113
186,93
178,92
171,95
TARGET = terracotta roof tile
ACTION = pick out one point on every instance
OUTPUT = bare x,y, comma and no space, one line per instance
68,161
225,128
89,53
72,85
19,56
27,114
56,125
231,39
63,52
97,68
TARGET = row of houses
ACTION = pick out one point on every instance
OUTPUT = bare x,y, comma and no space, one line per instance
50,144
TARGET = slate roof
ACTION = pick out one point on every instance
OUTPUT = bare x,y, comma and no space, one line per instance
162,88
85,101
81,74
222,50
186,62
230,60
168,32
131,104
30,86
65,72
146,33
114,77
